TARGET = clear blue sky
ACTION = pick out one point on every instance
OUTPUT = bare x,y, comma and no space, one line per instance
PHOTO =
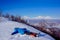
31,8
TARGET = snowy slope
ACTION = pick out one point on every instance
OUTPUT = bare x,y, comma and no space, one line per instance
2,19
7,27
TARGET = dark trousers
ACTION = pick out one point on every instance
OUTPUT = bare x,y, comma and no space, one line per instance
14,32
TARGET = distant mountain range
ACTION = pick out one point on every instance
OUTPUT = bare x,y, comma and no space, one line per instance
45,22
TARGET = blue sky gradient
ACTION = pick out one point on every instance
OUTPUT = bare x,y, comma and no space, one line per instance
31,8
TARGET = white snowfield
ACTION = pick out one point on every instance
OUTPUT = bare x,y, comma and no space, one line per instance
7,27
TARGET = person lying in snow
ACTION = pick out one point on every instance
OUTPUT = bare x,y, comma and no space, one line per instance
23,31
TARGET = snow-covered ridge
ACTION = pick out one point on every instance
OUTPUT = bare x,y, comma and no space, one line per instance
7,27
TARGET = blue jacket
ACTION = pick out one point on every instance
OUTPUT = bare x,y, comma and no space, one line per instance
20,30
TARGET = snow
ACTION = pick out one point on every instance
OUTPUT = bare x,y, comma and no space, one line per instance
7,27
2,19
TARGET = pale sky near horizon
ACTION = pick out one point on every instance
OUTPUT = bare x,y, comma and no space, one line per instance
31,8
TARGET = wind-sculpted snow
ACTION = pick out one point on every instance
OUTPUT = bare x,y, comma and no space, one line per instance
7,27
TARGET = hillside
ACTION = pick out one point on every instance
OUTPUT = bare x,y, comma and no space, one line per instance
7,27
